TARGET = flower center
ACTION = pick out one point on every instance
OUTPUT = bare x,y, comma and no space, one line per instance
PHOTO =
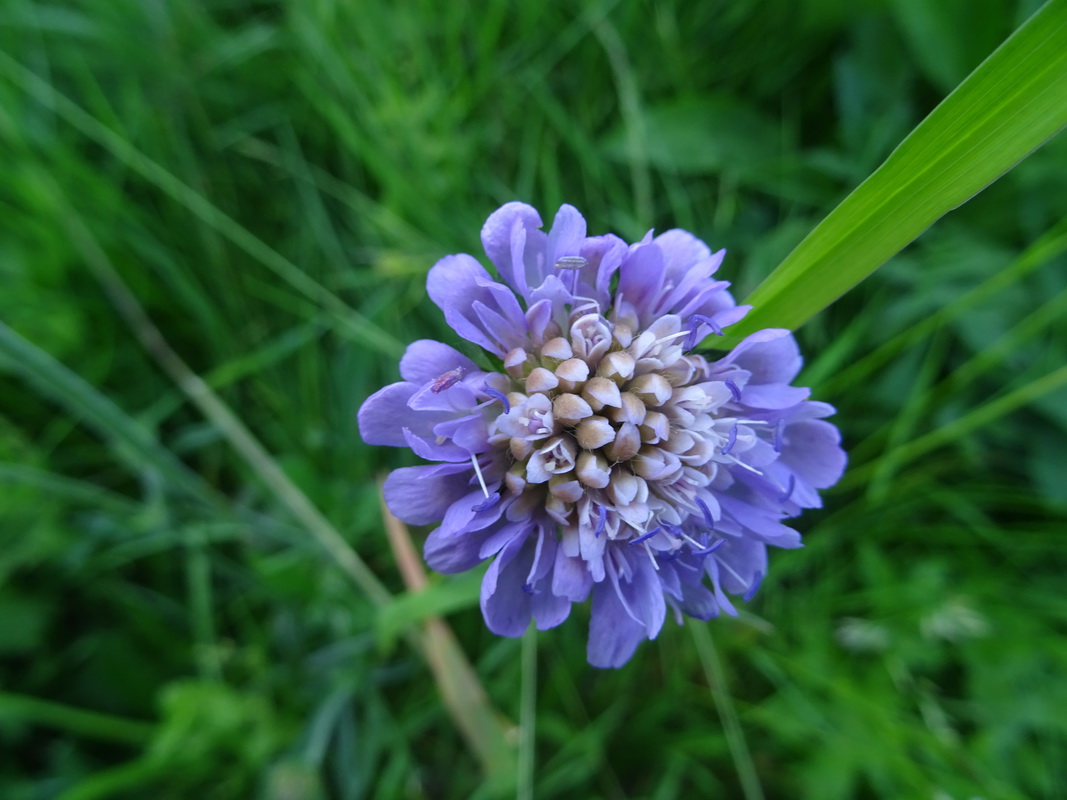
617,431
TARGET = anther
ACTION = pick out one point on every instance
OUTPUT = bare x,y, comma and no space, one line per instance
601,521
695,322
708,519
731,441
778,431
646,536
733,390
497,395
789,489
487,503
710,548
757,579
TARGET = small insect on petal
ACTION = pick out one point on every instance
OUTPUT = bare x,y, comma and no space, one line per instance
447,380
571,262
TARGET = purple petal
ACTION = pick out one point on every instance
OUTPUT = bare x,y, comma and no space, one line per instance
385,414
566,236
449,554
752,341
571,578
455,545
455,283
512,239
698,601
711,299
613,633
432,450
759,525
681,252
548,609
774,395
747,558
459,397
691,287
605,255
426,360
641,279
504,599
774,360
812,449
421,495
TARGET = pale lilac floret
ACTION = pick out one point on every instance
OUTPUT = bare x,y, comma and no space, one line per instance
602,457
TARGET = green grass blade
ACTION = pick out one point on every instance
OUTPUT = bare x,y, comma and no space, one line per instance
134,443
1009,106
349,321
91,724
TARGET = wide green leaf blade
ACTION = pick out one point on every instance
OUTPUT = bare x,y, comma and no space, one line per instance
1008,107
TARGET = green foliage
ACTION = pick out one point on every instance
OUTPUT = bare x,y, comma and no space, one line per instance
1013,103
272,180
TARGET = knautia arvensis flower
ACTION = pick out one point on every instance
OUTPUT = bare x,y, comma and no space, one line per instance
601,456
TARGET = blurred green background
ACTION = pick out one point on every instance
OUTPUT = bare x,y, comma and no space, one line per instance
272,181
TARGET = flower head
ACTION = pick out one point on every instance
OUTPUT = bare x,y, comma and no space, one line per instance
602,457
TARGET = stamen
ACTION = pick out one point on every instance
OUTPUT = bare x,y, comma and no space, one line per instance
646,536
757,579
574,264
447,380
789,489
730,569
731,441
738,462
497,395
602,521
707,513
537,557
733,390
693,542
671,336
695,322
478,472
710,548
778,431
592,303
487,503
651,557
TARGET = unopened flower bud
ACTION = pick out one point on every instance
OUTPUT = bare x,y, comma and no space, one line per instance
627,443
600,392
541,380
566,488
570,409
617,366
594,432
557,348
653,389
593,470
630,409
572,372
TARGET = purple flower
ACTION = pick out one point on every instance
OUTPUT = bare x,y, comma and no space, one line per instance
601,457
